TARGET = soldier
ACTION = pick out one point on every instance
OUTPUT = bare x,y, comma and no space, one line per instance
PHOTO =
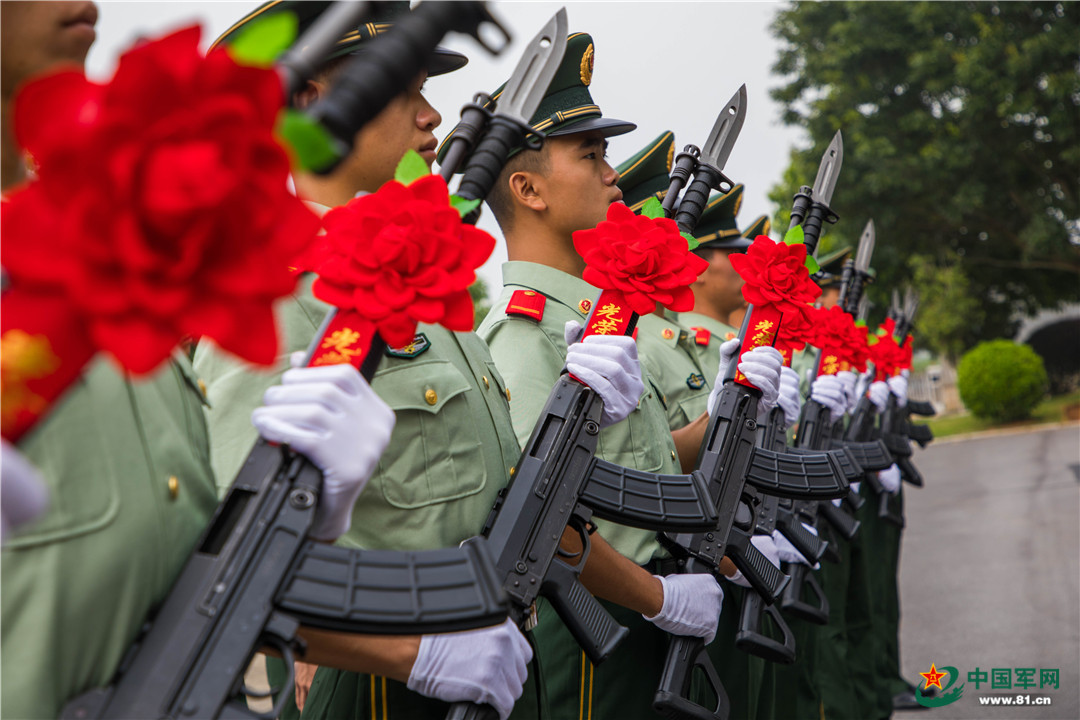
453,447
126,464
540,200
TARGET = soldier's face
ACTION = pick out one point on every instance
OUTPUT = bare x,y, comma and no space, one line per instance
579,184
36,36
407,123
829,297
720,285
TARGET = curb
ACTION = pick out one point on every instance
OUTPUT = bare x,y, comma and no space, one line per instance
1027,429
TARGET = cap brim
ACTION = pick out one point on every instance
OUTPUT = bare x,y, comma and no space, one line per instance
444,61
608,127
734,243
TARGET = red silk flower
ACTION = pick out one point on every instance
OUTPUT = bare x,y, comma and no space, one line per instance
886,356
401,256
160,208
646,259
836,331
775,274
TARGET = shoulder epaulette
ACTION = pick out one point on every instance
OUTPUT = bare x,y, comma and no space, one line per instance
701,335
528,303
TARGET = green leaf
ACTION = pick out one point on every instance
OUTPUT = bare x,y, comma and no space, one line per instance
262,41
860,323
794,236
313,147
691,240
811,264
652,208
412,167
463,206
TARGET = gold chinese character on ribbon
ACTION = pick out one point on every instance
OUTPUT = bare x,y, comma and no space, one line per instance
606,320
343,348
829,365
763,333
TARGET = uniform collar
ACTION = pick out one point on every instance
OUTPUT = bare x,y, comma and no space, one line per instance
555,284
717,328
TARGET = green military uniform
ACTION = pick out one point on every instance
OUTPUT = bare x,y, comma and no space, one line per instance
128,471
672,354
530,351
450,453
664,344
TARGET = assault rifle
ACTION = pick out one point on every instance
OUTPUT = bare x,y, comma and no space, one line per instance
254,578
730,458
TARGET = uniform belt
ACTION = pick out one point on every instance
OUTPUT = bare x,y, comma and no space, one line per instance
662,566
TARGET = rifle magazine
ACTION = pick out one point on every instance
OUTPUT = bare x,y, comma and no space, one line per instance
796,475
674,503
391,592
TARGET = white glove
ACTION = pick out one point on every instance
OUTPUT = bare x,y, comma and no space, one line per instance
879,395
486,666
847,381
898,385
829,391
692,605
787,551
766,546
789,399
729,349
890,479
333,417
609,365
23,495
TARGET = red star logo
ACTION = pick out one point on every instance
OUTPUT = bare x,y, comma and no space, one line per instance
933,677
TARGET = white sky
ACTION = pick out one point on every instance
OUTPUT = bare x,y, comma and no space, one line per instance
662,65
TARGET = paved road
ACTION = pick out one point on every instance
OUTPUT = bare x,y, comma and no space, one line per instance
990,570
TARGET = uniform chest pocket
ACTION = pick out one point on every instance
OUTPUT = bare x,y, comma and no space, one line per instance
640,441
434,454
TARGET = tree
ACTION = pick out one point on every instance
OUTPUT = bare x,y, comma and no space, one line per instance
961,124
948,311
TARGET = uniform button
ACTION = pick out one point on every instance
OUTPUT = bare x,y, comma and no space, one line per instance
667,333
174,487
513,470
672,454
431,397
202,387
486,383
507,394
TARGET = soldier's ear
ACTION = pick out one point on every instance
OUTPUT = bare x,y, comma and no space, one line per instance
312,91
526,190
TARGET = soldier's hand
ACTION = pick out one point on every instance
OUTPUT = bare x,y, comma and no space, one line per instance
898,385
789,399
487,666
828,391
847,381
333,417
692,605
609,365
23,496
879,395
890,479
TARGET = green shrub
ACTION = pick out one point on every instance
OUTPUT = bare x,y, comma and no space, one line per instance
1000,380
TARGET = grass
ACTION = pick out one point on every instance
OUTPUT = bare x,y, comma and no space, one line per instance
1050,410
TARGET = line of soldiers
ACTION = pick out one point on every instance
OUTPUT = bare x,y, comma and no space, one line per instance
134,469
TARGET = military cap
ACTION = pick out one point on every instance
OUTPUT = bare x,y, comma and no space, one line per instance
761,226
646,174
567,107
832,267
378,21
717,227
